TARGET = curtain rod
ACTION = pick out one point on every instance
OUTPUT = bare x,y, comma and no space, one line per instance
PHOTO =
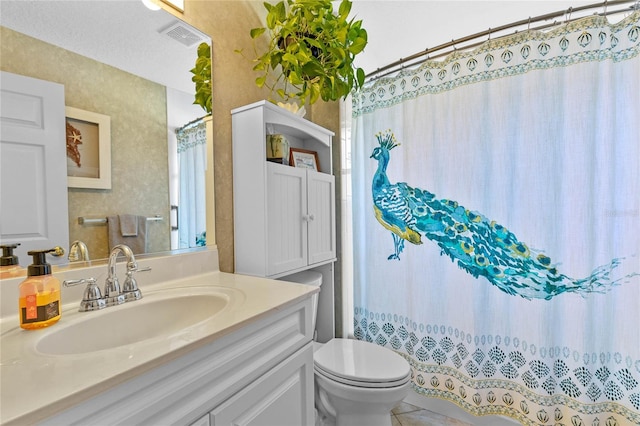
393,67
191,123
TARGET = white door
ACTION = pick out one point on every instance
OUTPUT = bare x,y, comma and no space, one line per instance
33,166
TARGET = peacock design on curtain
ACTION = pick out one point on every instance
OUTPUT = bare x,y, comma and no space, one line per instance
478,245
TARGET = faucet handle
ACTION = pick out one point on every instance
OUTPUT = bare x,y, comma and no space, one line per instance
130,287
92,299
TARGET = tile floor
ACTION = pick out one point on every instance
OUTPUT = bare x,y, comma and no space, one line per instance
409,415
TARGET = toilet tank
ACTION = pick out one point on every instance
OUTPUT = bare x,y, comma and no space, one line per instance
309,277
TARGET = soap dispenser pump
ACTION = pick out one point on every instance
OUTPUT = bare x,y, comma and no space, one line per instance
9,265
39,302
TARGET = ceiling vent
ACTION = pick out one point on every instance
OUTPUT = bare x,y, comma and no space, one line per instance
183,34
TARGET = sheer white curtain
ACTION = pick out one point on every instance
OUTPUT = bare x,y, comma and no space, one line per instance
192,156
496,224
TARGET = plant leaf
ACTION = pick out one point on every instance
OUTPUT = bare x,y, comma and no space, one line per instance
314,42
345,8
358,45
257,32
294,78
289,58
204,50
280,11
303,56
271,20
314,92
275,59
361,76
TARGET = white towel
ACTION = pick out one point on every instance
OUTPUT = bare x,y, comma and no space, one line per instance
138,243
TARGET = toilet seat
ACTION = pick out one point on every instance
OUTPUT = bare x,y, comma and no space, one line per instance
361,364
361,384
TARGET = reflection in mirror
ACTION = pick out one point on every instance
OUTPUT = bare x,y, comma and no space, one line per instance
132,64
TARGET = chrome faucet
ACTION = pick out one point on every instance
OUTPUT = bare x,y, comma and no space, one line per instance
113,294
78,251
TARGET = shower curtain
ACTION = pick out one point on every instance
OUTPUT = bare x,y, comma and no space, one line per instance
496,224
192,156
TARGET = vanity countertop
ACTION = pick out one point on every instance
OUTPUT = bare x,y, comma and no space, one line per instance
35,386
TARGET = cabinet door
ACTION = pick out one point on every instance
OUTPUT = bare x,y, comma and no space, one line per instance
286,218
322,217
283,396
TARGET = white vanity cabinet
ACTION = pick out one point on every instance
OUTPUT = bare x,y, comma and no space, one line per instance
284,217
260,374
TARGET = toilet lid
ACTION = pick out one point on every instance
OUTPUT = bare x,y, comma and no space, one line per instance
361,364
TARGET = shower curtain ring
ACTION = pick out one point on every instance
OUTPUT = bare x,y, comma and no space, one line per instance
568,15
529,24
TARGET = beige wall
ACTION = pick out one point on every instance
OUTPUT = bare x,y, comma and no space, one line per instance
137,108
228,23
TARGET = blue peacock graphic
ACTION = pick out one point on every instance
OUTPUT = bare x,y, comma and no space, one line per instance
479,246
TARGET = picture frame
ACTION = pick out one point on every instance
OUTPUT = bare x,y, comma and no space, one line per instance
88,139
303,158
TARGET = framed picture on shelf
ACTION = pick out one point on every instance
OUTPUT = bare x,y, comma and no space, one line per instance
304,158
88,149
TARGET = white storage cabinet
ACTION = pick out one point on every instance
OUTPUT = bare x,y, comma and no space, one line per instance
284,217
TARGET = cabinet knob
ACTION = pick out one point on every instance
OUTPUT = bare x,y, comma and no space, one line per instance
311,217
305,218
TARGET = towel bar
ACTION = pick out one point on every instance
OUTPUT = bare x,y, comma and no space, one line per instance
103,220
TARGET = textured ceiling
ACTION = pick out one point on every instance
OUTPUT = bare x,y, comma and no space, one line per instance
121,33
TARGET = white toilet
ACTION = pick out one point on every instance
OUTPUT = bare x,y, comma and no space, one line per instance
356,382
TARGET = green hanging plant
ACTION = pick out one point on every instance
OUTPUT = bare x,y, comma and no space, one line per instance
314,49
202,77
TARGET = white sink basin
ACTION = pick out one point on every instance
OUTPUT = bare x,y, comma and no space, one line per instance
163,313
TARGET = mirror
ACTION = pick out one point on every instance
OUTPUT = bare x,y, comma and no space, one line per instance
145,88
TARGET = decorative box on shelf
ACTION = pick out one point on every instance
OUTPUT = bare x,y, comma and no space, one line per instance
278,149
